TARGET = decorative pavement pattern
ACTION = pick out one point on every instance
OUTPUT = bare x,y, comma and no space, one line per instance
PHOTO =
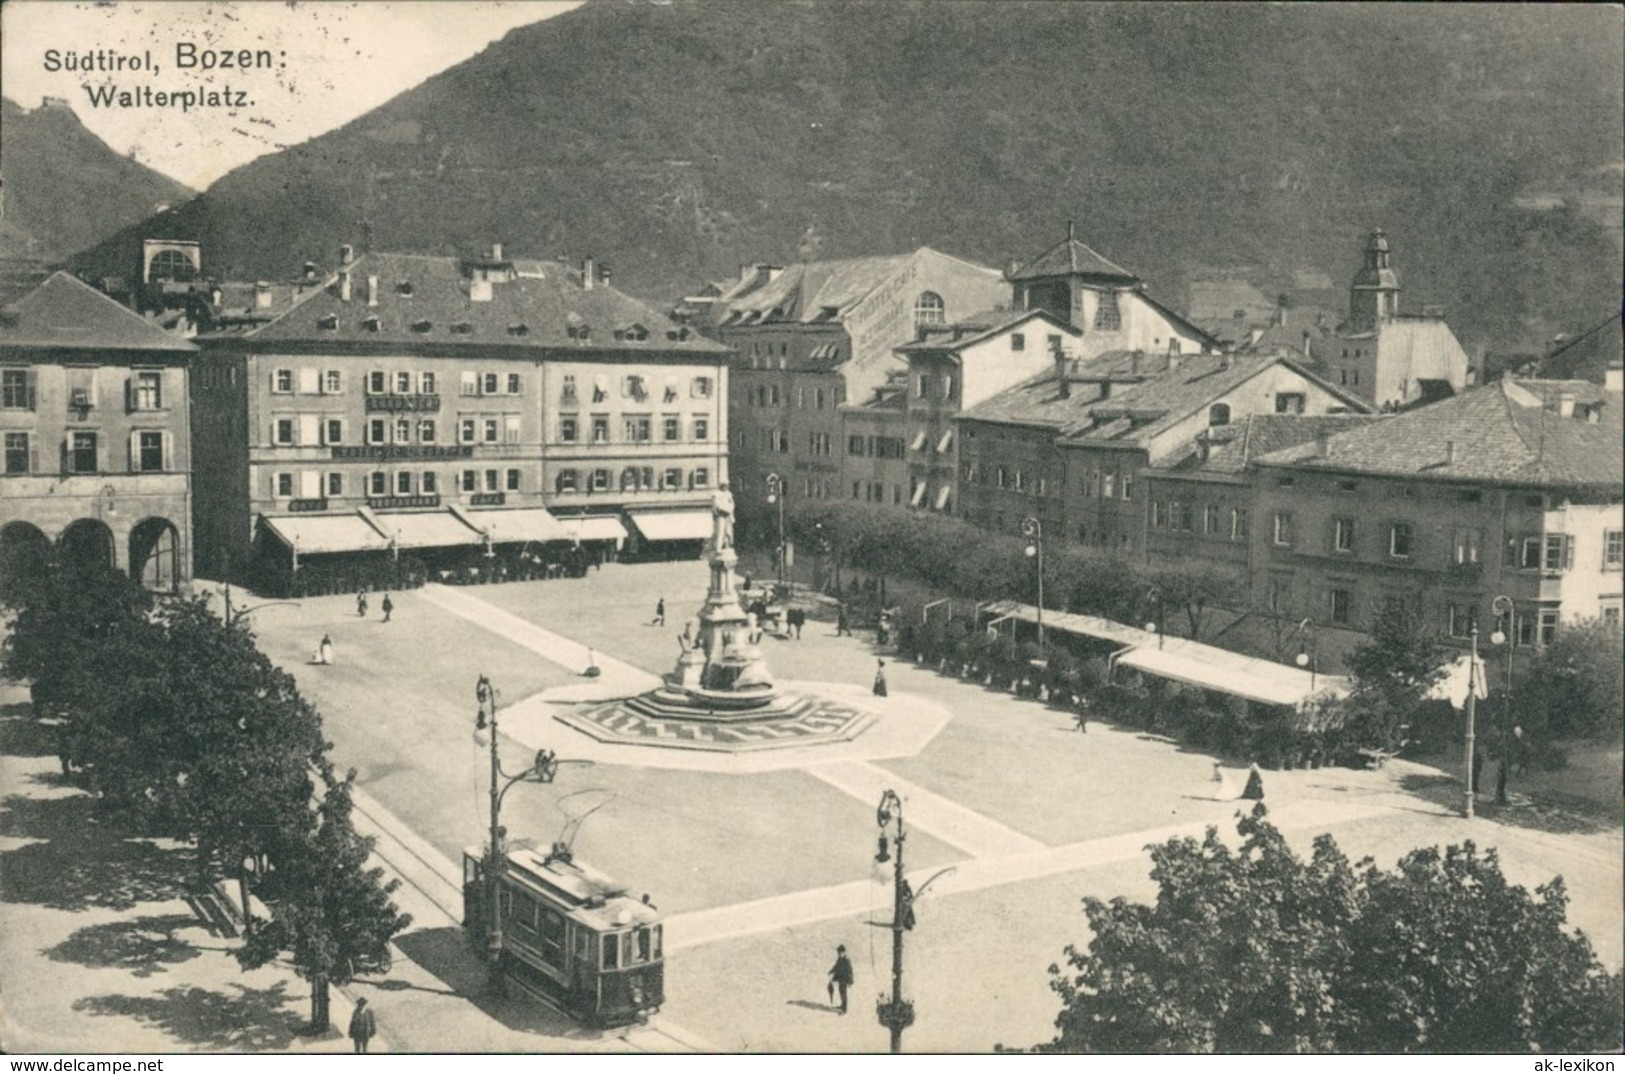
806,721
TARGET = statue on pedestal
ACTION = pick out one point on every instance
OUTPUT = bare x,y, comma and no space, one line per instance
722,519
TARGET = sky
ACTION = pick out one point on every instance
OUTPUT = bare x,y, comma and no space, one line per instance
329,62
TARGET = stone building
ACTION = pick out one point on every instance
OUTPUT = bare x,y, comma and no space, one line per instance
94,415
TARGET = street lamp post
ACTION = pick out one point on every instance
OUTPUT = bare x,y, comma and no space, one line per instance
1310,657
1033,530
1473,683
542,770
896,1014
775,495
1504,610
1154,596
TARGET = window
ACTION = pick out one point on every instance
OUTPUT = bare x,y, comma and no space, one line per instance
1240,523
15,389
403,430
701,427
149,452
284,484
282,382
1399,540
1463,620
600,428
1559,553
1018,342
1343,535
426,384
18,460
1107,315
701,388
1185,516
1127,491
378,483
282,431
671,427
566,481
429,484
333,431
1210,519
1289,402
377,431
1159,517
1218,414
510,428
569,428
1283,529
469,480
1020,482
488,384
403,482
567,387
671,479
600,481
468,384
426,431
513,383
1108,485
513,481
636,428
1548,626
1339,602
403,383
632,387
702,478
930,309
146,390
1465,547
490,428
467,430
376,382
1613,550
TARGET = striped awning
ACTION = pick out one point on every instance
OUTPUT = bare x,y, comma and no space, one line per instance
594,528
533,524
317,534
672,525
428,529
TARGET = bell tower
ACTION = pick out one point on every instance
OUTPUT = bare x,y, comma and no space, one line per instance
1374,294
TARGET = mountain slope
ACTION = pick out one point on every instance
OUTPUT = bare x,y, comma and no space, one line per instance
65,189
676,140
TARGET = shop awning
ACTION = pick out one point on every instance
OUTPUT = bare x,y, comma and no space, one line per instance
430,529
1231,673
672,525
525,524
595,528
316,534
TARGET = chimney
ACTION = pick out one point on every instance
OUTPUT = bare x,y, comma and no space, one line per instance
496,251
344,284
588,269
372,290
1225,360
1134,362
1323,445
1450,453
603,275
1063,385
1308,352
346,254
1565,404
1280,309
1174,360
310,270
262,295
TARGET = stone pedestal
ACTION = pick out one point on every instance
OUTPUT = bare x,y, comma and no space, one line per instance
719,666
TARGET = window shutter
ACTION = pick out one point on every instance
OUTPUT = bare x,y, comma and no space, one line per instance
309,429
33,391
1568,553
169,451
310,484
309,383
129,395
66,454
135,452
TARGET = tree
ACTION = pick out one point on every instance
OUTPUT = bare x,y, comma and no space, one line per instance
1256,950
1576,687
1193,587
329,911
1392,675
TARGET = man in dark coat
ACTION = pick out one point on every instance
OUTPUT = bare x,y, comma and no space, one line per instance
841,625
1255,784
880,678
840,975
363,1026
388,606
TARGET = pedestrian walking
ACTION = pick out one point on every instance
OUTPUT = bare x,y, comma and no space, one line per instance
363,1026
1221,786
660,613
325,650
840,977
841,624
1520,751
1255,784
361,604
880,678
795,619
1083,715
388,606
883,631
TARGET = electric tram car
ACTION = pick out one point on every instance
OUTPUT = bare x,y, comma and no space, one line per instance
571,936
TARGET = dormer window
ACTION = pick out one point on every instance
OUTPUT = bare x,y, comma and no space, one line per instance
370,324
329,323
519,329
404,288
422,326
462,328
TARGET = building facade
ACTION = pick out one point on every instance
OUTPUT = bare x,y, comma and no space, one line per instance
94,416
435,406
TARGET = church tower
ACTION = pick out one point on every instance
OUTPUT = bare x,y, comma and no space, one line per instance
1374,295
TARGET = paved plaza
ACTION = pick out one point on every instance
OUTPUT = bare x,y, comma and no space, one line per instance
762,860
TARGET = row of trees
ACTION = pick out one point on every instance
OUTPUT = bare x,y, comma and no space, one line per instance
183,729
1256,950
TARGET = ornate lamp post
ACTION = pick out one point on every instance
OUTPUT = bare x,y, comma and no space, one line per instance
542,770
775,495
1308,657
1154,596
1504,610
896,1014
1475,683
1033,530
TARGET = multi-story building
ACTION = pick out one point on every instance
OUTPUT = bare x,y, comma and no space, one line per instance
1509,490
874,460
94,418
1388,358
956,366
820,334
433,405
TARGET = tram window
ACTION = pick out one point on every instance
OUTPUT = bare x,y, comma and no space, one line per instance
552,933
583,945
612,951
522,913
657,940
643,945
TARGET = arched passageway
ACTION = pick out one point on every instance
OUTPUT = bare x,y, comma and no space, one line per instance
155,555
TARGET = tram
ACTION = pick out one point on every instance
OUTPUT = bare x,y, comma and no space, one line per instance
571,936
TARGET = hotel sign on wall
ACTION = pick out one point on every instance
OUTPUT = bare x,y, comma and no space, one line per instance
405,451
